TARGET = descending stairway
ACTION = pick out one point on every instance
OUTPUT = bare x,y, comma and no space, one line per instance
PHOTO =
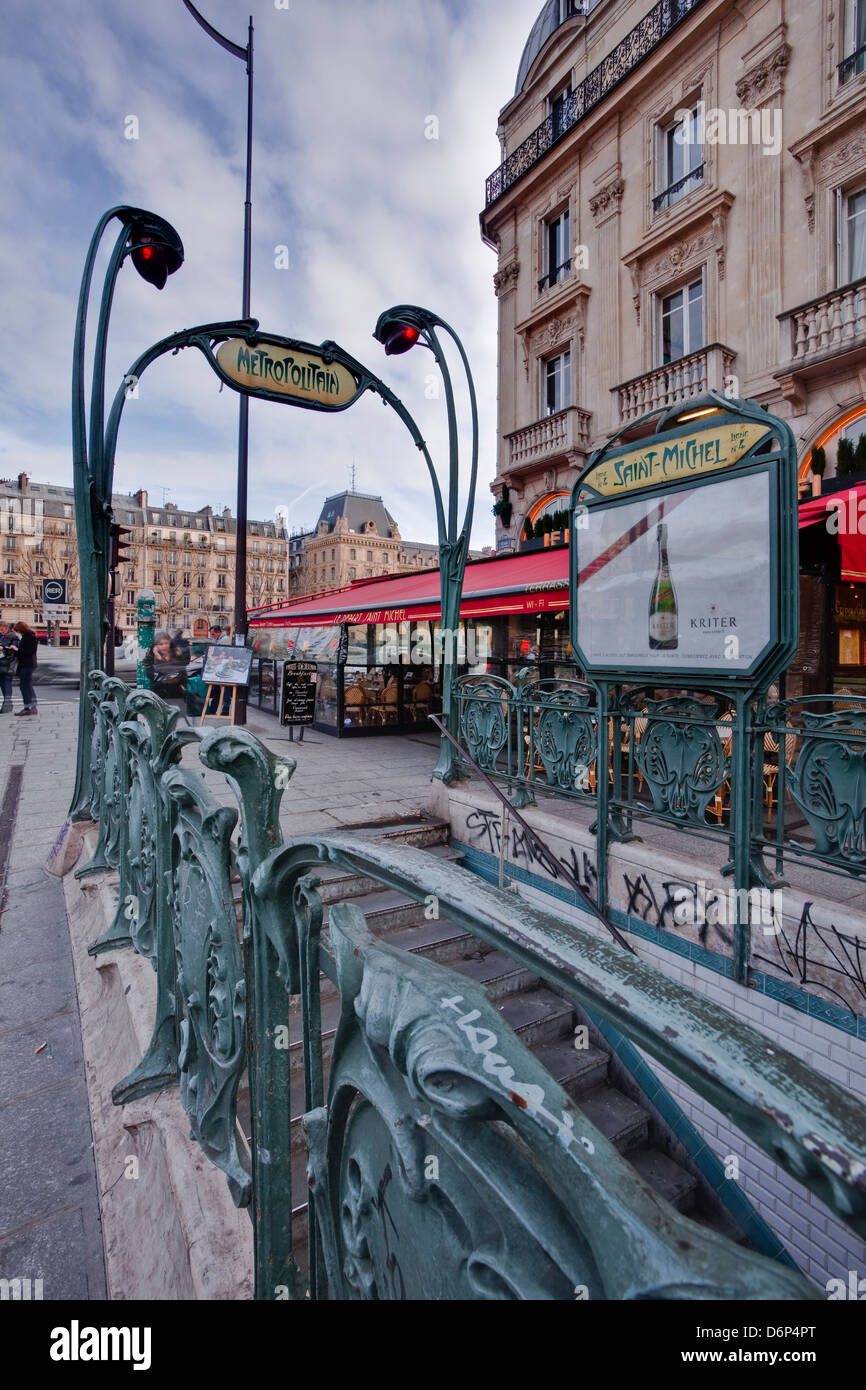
545,1022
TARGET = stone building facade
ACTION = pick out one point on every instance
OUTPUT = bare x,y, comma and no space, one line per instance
357,538
681,206
188,557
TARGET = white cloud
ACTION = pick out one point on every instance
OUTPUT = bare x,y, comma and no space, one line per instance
373,213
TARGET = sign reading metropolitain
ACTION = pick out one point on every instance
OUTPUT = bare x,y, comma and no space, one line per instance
299,376
682,458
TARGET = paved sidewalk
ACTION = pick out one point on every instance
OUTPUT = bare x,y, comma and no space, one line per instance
49,1210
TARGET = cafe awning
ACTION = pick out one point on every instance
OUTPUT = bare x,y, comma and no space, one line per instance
533,583
845,515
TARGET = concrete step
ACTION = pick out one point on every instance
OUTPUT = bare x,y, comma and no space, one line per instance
536,1015
385,908
625,1124
498,973
421,831
577,1070
666,1177
337,884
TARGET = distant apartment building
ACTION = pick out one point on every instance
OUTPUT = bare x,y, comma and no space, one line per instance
356,537
188,557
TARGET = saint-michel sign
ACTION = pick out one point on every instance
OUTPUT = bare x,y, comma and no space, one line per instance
684,548
673,460
295,373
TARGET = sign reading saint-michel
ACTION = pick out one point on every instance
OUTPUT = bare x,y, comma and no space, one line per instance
301,376
682,546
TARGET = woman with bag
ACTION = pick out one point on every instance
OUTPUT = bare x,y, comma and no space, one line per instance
27,645
8,650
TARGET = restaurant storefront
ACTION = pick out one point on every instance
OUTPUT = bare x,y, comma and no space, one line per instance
378,643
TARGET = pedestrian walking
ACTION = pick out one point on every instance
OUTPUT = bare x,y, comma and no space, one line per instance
27,646
8,653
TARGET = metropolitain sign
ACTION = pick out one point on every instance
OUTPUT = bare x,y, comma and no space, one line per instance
296,374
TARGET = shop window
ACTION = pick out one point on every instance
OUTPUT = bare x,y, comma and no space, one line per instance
679,158
680,328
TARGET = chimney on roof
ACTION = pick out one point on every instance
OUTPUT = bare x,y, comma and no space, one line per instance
227,513
23,480
141,497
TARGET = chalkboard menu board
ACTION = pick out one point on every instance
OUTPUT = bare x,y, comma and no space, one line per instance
298,702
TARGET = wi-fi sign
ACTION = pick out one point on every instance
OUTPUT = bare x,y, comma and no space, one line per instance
54,591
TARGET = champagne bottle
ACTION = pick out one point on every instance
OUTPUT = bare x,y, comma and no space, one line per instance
663,624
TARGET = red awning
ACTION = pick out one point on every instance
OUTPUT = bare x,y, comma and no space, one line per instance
535,583
846,514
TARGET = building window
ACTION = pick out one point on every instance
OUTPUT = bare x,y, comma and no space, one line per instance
7,590
67,511
157,576
187,559
172,557
851,223
130,596
681,323
352,555
351,572
38,567
558,110
221,581
9,567
679,159
557,250
854,50
369,555
556,383
199,581
187,580
11,543
186,602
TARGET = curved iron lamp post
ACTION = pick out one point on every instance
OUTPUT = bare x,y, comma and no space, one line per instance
399,329
246,57
157,252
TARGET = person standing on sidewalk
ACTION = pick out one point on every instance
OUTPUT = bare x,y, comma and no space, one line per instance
27,645
8,650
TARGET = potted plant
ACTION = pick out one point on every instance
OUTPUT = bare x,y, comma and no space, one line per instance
502,507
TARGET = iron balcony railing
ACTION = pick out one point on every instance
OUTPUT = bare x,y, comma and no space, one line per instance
628,54
554,276
441,1158
852,65
678,190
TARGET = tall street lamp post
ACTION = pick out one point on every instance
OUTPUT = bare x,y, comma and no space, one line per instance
240,616
156,251
398,330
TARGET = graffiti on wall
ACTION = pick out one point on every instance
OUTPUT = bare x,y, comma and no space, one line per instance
484,829
661,905
819,955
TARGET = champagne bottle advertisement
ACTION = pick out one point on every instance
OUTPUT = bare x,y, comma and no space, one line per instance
679,580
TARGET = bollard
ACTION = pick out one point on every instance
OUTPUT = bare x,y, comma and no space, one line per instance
146,626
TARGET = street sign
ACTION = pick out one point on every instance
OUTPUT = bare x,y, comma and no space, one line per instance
53,592
304,377
56,612
298,694
683,548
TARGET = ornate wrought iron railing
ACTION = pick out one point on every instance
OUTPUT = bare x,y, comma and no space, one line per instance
852,65
812,771
628,54
800,797
442,1159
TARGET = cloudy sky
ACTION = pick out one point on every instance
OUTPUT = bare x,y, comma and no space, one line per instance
372,211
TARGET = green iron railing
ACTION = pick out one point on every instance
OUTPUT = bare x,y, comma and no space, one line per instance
671,759
442,1159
